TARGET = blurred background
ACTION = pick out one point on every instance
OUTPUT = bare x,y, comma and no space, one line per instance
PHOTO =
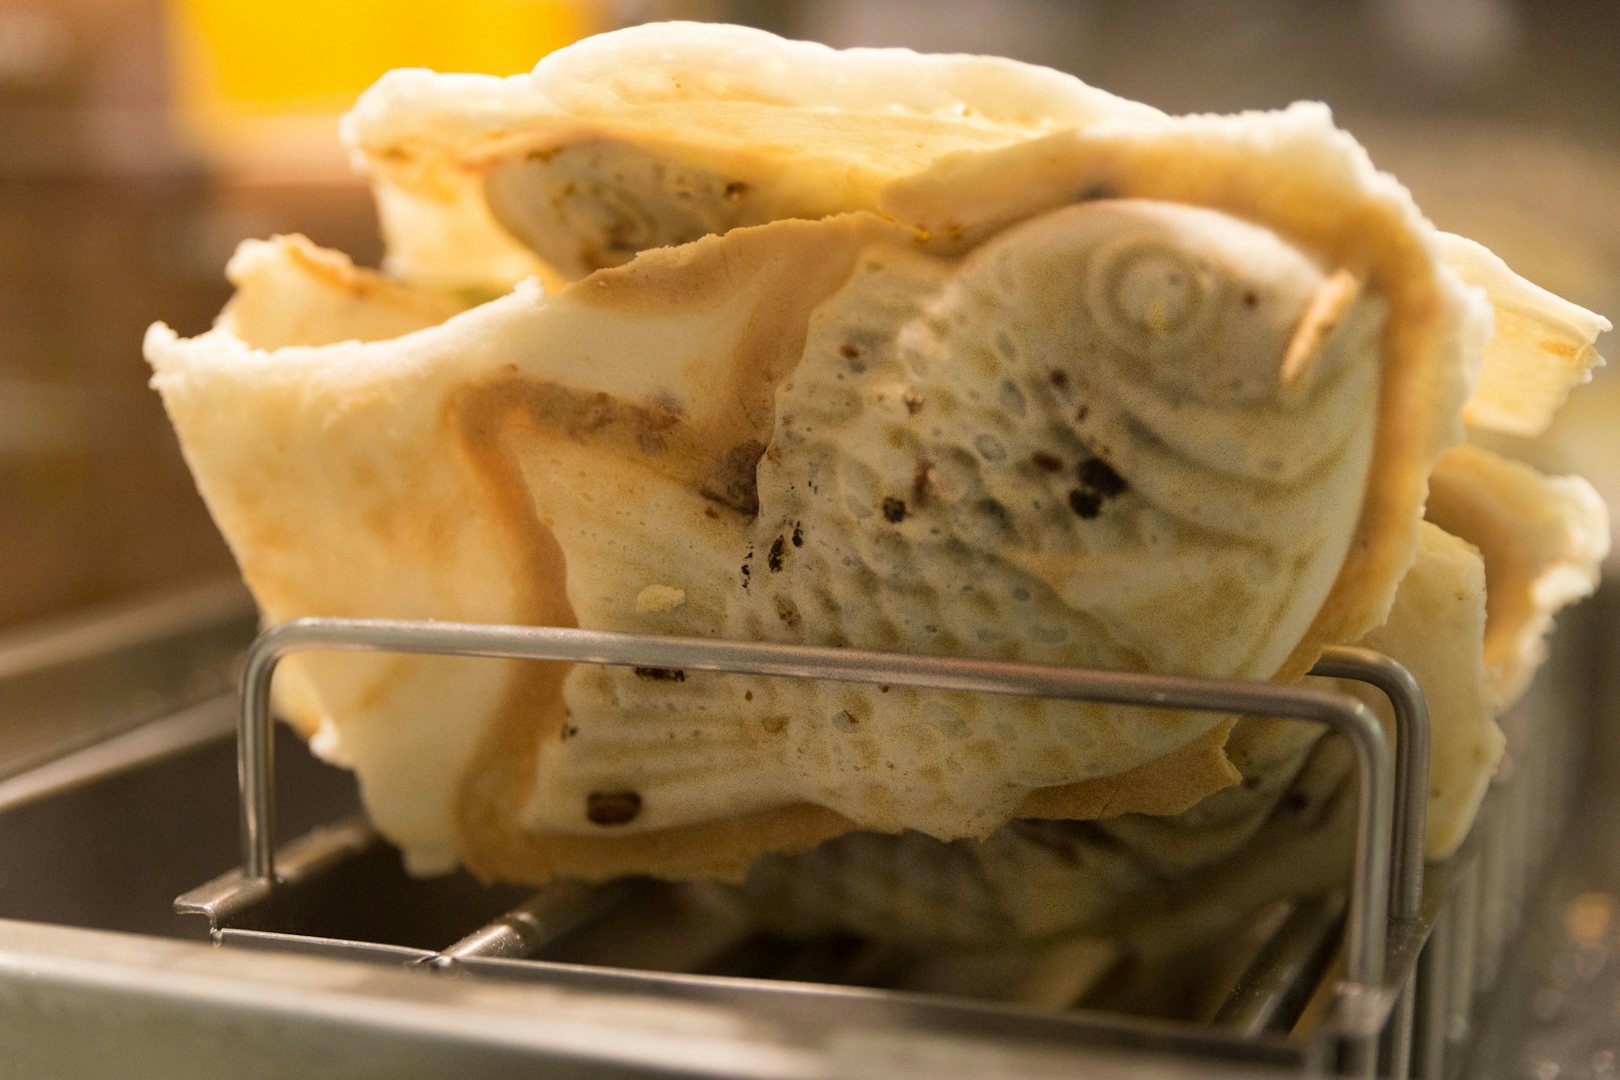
140,140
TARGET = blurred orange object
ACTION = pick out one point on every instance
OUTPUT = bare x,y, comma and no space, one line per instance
257,84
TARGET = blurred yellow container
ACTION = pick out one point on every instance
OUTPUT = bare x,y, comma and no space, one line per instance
263,80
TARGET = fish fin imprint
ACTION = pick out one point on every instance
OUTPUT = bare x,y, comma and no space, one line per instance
1332,302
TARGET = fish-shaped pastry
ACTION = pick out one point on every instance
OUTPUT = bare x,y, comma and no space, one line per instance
1074,382
655,135
1007,454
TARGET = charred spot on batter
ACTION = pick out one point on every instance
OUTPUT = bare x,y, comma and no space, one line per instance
747,570
1086,504
1099,476
1047,462
612,807
913,402
737,190
568,732
1081,414
894,510
774,559
798,535
787,611
661,674
1251,299
1059,378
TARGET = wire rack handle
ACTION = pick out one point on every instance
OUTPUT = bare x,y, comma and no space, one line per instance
1380,786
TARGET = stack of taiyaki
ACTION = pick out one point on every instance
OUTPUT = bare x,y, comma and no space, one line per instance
698,331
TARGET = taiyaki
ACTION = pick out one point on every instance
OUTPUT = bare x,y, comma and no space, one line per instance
655,135
1074,382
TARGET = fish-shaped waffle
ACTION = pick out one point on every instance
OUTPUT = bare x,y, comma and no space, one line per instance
656,135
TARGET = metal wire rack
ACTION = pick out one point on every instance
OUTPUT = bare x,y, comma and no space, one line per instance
1417,943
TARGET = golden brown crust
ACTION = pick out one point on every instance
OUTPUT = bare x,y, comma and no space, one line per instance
1167,785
